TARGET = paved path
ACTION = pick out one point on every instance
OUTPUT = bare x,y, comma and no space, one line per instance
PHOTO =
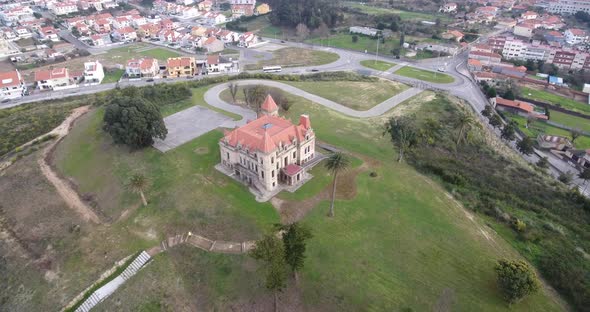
212,97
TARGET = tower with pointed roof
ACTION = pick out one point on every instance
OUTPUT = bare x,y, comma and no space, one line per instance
270,152
268,107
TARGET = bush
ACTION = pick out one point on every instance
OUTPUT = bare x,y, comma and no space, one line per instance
373,174
516,279
519,225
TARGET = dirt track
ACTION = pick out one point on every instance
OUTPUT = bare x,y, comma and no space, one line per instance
64,190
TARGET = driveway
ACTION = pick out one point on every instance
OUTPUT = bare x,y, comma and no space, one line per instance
189,124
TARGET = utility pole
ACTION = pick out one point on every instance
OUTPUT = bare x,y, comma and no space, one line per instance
377,52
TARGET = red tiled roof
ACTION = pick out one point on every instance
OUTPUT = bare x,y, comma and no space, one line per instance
55,73
213,59
9,79
266,133
180,61
292,169
524,106
269,104
577,32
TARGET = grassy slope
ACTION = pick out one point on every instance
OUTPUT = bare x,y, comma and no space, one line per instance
113,75
378,65
139,50
544,96
344,41
404,15
356,95
289,57
396,239
425,75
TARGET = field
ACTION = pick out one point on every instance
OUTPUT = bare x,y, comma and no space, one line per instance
261,25
291,57
404,15
112,58
378,65
354,94
571,121
547,97
430,76
364,43
393,235
112,75
538,127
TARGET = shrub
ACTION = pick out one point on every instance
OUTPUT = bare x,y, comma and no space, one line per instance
516,279
519,225
373,174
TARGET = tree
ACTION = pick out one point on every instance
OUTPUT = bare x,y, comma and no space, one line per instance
133,121
526,145
585,175
529,121
491,93
487,111
495,121
566,178
271,251
516,279
430,131
402,133
464,123
138,183
255,96
509,95
302,31
233,90
336,163
294,239
75,32
355,38
509,132
574,134
402,39
322,31
543,163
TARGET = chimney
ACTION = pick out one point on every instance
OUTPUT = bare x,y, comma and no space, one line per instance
304,121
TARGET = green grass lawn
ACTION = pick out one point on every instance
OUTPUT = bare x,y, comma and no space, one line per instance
113,75
378,65
399,243
547,97
364,43
291,57
426,75
570,120
539,127
141,50
354,94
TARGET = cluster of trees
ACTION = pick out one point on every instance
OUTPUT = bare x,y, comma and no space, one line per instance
254,96
508,130
279,255
310,13
545,216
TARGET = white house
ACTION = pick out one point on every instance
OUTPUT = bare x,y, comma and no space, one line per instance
12,85
50,79
23,32
247,40
63,8
449,7
16,14
121,22
575,36
146,67
368,31
93,73
49,33
216,64
125,34
215,18
100,40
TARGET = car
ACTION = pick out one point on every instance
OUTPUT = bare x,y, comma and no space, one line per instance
315,70
282,41
150,80
441,69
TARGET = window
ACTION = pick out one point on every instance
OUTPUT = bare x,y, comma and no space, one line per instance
272,174
273,184
294,154
262,174
272,160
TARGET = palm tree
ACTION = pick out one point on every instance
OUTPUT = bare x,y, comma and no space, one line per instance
138,183
336,163
464,122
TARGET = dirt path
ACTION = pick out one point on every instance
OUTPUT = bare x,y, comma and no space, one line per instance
64,190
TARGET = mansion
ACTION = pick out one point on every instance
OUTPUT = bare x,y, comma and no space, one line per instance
269,153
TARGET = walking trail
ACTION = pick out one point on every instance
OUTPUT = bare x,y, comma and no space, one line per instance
69,195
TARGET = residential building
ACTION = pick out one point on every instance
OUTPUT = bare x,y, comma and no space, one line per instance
554,142
215,18
205,5
449,7
145,67
16,14
239,10
100,40
122,22
554,36
213,45
217,64
517,107
49,33
575,36
63,8
367,31
93,73
12,85
270,152
453,34
437,47
125,34
568,6
49,79
181,66
524,30
248,39
262,8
